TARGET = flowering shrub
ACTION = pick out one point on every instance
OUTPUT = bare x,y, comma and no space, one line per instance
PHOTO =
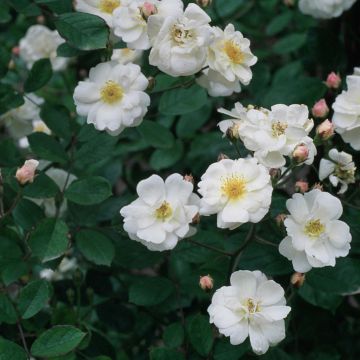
179,179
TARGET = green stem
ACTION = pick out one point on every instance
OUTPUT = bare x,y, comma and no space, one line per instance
210,248
260,240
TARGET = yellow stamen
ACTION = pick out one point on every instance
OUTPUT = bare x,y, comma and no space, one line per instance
278,128
164,211
252,306
233,52
179,34
111,93
234,187
314,228
108,6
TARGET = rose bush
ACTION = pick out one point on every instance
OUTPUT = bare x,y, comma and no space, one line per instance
179,179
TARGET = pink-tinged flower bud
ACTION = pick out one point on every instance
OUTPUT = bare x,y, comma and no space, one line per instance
280,219
320,109
26,173
40,19
147,10
301,153
302,186
325,130
333,81
189,178
297,279
222,157
15,50
206,282
204,3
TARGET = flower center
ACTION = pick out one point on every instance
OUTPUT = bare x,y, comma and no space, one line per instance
344,174
180,35
108,6
234,187
314,228
252,306
233,52
111,92
278,128
164,211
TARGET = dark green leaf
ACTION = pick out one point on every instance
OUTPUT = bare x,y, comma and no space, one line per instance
33,298
11,351
225,351
4,59
174,335
200,334
156,135
83,31
57,6
26,7
57,341
164,158
40,74
49,240
89,191
289,43
9,99
42,187
57,118
96,247
165,354
279,23
27,214
65,50
7,311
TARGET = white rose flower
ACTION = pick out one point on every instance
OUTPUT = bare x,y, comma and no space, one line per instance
346,117
163,212
325,9
62,179
238,191
340,169
216,85
179,43
230,55
101,8
252,306
113,97
41,42
126,56
19,121
273,134
315,235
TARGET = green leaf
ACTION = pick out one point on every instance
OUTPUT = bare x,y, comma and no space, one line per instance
182,101
156,135
9,99
42,187
9,153
33,298
57,118
89,191
5,15
83,31
200,334
150,291
165,354
331,279
4,59
40,74
174,335
96,247
49,240
11,351
57,341
279,23
65,50
27,214
57,6
164,158
47,148
7,311
289,43
25,7
225,351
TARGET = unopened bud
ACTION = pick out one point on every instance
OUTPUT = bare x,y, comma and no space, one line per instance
206,282
302,186
222,157
325,130
40,19
26,173
318,186
148,9
83,73
301,153
15,50
189,178
320,109
232,132
333,81
297,279
280,219
204,3
152,83
196,219
289,3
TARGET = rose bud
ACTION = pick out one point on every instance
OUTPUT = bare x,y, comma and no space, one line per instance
333,81
189,178
297,279
302,186
320,109
147,10
301,153
26,173
289,3
325,130
206,282
204,3
15,50
222,157
280,219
